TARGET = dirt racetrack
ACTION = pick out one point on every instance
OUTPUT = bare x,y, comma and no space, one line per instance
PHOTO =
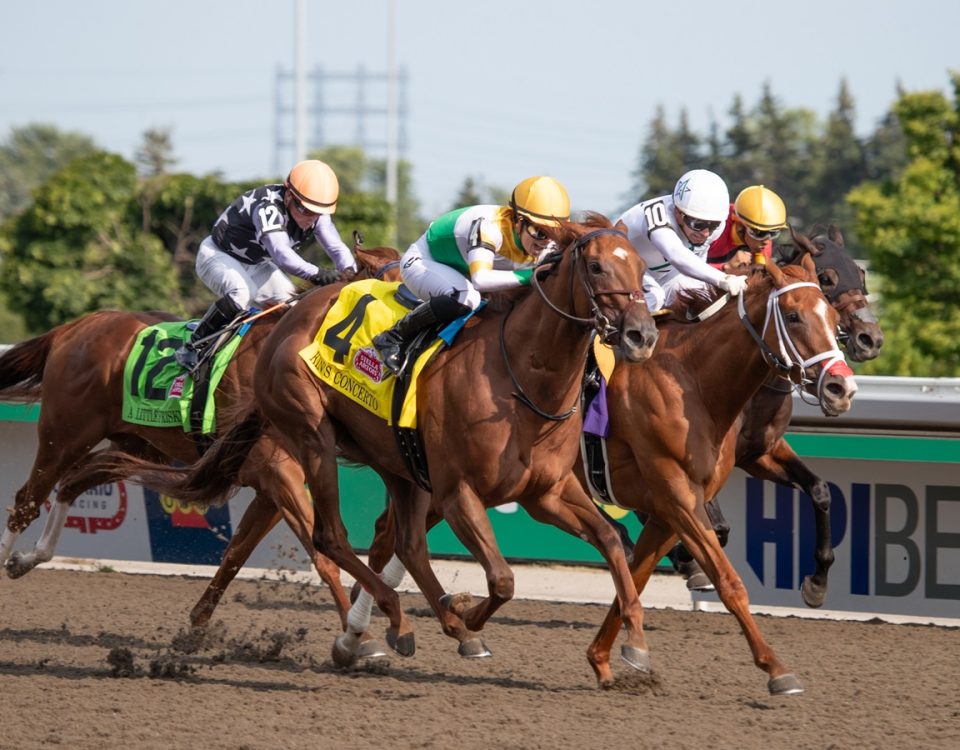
103,660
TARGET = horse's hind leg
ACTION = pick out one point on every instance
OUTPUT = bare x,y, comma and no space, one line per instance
705,547
784,466
257,521
318,458
653,543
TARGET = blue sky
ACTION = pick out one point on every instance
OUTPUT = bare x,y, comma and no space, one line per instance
498,90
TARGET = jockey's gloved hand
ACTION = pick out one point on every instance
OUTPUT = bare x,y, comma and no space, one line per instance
325,276
733,284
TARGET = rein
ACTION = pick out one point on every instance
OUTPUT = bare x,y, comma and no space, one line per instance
598,322
789,358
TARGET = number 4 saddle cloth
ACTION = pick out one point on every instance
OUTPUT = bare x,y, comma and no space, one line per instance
342,354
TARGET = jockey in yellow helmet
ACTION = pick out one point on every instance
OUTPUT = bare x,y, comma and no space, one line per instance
756,218
473,250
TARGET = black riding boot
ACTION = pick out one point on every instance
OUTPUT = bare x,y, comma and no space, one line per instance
219,314
391,343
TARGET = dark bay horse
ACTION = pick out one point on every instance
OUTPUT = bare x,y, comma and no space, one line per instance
674,423
761,449
76,372
495,417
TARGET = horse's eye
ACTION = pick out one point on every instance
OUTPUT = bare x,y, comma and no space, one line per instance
792,317
595,267
825,280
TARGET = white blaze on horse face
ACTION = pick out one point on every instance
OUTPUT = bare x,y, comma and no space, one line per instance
820,310
621,253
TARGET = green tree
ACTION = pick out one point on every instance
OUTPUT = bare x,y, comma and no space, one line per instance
78,248
30,155
155,156
910,225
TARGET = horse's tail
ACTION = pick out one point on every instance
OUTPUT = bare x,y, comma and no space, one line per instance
212,480
21,366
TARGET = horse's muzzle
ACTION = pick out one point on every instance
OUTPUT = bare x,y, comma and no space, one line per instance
837,390
638,334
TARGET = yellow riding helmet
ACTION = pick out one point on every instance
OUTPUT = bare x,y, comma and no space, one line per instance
760,208
541,200
315,185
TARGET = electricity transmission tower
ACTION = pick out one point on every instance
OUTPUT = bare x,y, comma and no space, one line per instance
343,108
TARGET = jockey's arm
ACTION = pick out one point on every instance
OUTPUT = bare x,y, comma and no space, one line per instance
277,244
329,238
680,257
485,278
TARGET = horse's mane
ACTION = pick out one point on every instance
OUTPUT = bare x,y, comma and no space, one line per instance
689,303
596,220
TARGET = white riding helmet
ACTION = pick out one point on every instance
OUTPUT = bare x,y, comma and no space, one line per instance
702,194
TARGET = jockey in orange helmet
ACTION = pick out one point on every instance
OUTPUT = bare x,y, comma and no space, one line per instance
254,245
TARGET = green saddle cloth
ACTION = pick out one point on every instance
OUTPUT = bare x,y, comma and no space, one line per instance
157,391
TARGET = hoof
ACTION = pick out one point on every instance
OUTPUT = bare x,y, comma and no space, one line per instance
342,653
458,604
785,684
371,649
15,566
405,645
474,648
639,660
813,594
699,582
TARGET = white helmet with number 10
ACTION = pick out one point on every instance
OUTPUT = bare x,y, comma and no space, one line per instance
702,194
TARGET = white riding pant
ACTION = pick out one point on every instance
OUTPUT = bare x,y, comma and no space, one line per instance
260,283
427,278
675,284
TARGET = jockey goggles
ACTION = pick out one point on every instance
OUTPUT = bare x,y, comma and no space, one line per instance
700,225
759,234
300,208
534,232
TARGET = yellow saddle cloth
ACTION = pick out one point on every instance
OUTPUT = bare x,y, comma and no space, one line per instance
342,354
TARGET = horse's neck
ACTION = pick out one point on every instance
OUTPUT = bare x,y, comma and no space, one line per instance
728,362
547,352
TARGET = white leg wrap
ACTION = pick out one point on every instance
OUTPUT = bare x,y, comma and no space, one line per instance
47,543
358,618
393,572
6,544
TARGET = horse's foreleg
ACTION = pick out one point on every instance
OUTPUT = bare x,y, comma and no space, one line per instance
781,464
574,512
414,517
51,463
472,527
706,549
653,543
18,565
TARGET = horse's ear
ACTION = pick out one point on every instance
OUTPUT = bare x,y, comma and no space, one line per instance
834,233
804,246
808,265
774,272
620,226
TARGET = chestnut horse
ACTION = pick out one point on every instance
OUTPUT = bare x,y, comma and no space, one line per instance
761,449
674,423
76,371
496,418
